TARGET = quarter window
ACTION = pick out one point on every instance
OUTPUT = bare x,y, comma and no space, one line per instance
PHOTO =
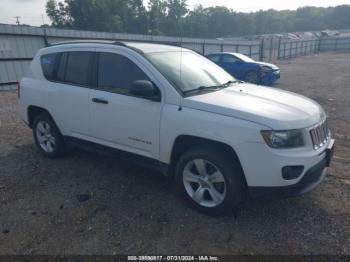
116,73
49,65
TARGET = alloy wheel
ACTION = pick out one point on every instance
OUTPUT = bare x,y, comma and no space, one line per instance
204,183
44,136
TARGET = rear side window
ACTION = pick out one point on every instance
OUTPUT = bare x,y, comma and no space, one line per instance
68,67
49,65
78,68
61,70
116,73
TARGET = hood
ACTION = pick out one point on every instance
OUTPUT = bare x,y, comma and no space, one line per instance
274,67
271,107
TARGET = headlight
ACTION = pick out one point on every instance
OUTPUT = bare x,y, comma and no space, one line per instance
266,68
283,139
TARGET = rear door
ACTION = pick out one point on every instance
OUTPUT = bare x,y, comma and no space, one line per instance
68,92
118,118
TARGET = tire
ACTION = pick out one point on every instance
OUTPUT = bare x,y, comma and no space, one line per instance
47,136
252,77
211,195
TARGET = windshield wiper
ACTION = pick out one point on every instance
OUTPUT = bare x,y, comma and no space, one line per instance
202,88
208,88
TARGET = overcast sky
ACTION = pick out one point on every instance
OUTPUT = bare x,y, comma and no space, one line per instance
33,11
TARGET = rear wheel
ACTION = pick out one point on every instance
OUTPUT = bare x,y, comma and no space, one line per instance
252,77
47,136
210,183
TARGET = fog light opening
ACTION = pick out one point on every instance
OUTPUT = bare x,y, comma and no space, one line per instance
292,172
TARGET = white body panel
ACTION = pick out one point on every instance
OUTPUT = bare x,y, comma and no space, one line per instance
277,109
234,116
113,123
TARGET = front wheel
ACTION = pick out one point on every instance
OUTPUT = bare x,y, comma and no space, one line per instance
252,77
47,136
210,182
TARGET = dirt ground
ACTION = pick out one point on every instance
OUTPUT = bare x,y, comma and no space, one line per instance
91,204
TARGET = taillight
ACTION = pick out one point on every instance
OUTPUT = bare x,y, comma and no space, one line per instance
18,89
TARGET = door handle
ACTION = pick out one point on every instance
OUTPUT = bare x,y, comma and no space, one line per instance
99,101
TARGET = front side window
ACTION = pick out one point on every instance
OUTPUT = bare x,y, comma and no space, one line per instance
49,65
215,58
229,59
116,73
188,71
245,58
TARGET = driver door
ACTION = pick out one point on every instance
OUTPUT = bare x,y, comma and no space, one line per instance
233,65
117,118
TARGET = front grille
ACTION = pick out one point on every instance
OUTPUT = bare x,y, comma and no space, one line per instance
320,134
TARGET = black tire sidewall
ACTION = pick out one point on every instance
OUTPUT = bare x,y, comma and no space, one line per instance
59,143
256,74
232,174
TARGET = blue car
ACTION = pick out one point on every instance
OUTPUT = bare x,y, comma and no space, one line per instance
246,69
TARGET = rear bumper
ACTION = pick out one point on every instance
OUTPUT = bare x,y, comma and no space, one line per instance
311,179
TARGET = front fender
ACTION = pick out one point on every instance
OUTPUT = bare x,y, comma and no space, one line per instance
203,124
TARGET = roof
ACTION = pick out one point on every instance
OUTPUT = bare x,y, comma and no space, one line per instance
152,48
141,47
224,53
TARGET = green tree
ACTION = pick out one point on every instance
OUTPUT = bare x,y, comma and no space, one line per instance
156,16
99,15
338,17
174,20
172,17
309,18
59,14
193,24
138,17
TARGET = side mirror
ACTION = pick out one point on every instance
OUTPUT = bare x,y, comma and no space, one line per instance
145,89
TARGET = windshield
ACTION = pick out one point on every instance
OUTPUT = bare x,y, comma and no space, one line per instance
189,71
244,58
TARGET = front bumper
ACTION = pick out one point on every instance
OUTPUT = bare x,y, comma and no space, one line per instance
277,73
311,179
268,78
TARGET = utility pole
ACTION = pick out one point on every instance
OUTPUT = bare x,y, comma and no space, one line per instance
17,20
43,19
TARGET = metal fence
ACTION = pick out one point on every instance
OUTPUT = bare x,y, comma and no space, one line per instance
328,44
289,49
295,48
18,45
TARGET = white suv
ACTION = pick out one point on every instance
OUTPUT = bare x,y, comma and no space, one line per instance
172,109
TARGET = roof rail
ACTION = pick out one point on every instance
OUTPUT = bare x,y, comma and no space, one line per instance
89,42
118,43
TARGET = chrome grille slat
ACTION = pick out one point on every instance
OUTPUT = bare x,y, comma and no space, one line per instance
313,137
325,133
320,138
319,134
325,129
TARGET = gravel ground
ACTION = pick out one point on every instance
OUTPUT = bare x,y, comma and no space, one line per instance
91,204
